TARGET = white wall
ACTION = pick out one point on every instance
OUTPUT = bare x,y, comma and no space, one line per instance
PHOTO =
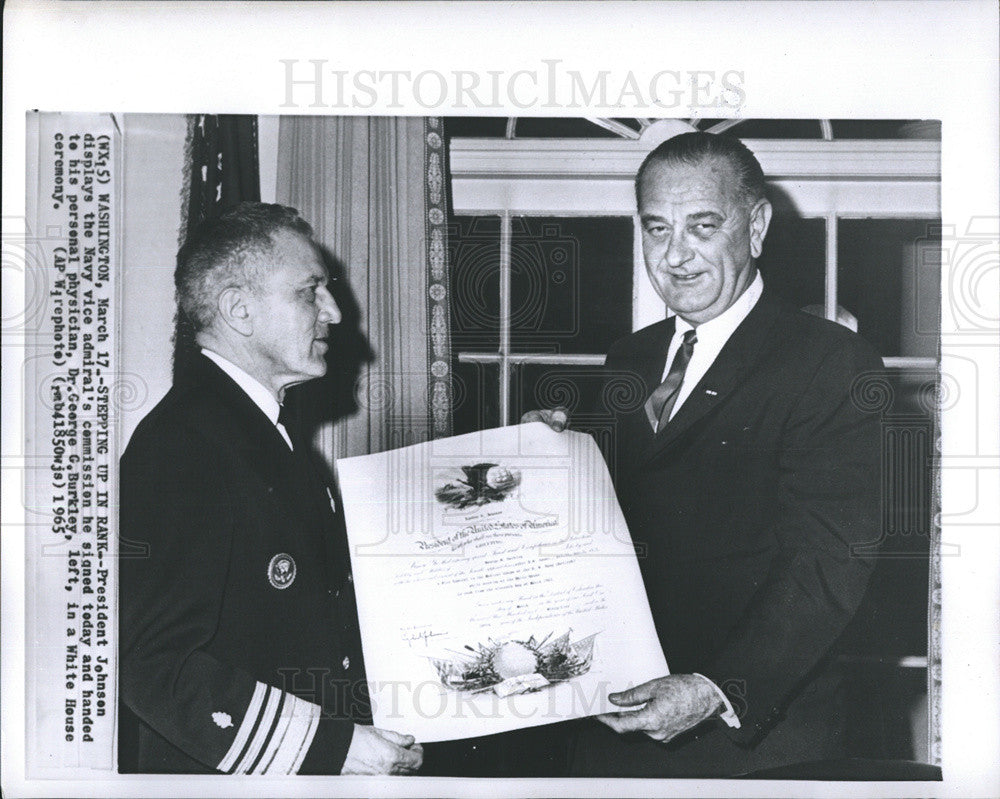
154,168
267,153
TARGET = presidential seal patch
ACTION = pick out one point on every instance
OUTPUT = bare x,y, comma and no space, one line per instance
281,570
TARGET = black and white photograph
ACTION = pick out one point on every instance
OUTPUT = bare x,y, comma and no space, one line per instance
647,404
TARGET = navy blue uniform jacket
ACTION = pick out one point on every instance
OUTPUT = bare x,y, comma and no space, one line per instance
239,648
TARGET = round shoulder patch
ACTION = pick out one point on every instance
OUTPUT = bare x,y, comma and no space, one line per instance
281,570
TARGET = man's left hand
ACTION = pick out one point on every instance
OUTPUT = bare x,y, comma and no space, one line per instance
674,703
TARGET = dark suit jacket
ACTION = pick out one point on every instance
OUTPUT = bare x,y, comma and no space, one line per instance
745,508
209,485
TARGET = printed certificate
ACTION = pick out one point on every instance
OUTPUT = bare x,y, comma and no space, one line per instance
497,584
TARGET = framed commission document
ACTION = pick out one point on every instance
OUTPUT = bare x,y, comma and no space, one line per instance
497,583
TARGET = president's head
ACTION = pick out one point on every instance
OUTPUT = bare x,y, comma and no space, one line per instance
704,217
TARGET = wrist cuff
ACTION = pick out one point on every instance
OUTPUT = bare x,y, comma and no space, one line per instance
728,715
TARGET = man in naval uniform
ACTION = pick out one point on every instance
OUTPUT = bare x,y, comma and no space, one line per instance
239,644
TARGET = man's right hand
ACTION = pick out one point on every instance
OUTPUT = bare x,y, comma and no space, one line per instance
377,751
557,418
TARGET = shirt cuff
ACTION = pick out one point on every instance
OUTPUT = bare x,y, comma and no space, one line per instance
728,715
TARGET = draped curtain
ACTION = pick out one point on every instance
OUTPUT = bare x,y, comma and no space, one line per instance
374,191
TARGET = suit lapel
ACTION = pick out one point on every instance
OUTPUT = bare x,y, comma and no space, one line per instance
653,355
647,361
729,370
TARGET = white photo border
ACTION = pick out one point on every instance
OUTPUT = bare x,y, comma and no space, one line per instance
894,60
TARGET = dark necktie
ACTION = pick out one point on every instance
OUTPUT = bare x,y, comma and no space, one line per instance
661,401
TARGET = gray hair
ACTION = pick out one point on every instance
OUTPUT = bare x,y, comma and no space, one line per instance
221,253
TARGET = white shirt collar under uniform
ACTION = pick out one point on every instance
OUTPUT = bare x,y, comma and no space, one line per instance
712,337
253,388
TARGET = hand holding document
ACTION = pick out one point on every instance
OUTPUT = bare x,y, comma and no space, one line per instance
497,583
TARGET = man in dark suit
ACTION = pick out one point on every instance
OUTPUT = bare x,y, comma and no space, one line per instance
748,476
239,645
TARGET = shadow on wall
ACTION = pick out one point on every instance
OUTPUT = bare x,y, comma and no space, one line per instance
332,397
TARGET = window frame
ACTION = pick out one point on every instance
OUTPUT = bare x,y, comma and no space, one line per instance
832,180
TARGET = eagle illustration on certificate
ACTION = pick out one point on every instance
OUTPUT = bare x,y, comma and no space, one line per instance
479,484
497,583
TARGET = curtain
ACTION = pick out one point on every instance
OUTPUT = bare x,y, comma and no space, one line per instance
374,191
222,168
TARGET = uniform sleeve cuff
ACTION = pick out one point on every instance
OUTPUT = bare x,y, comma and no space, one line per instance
728,715
274,736
328,750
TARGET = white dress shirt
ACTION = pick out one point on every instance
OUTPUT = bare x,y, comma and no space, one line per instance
253,388
712,337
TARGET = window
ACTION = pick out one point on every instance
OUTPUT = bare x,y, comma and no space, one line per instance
854,222
532,291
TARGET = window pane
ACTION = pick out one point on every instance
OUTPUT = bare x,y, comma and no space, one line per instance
794,255
562,128
475,127
475,396
544,386
889,278
886,129
583,390
474,264
778,129
571,283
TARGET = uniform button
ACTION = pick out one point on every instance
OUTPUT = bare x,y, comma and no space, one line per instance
346,663
350,577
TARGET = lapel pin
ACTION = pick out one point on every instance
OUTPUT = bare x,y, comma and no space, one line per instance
711,393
